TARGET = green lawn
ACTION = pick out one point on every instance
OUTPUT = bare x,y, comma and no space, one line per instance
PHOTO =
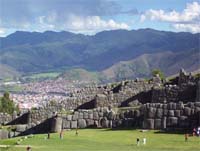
107,140
44,75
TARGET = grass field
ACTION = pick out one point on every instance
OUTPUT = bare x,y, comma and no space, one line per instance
43,75
106,140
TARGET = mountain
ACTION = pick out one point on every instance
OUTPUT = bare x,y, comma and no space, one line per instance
142,66
115,53
7,72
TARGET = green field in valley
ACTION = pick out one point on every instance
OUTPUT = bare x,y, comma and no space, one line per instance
104,140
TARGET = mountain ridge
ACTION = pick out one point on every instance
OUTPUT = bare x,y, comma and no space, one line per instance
29,52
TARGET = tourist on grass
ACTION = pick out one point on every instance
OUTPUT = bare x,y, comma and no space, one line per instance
61,134
194,132
76,132
198,131
28,148
48,135
144,141
186,137
138,141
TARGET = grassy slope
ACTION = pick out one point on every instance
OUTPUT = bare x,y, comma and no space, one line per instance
7,72
80,74
106,140
36,76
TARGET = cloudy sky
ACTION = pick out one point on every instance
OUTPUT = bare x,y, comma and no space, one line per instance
92,16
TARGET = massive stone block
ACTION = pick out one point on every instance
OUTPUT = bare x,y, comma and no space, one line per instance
85,115
95,115
74,124
151,112
90,122
148,124
159,113
157,123
90,115
82,123
56,124
69,117
21,128
66,124
80,115
165,112
177,113
75,116
171,113
187,111
172,121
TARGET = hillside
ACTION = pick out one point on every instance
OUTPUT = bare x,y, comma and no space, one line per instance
168,62
117,53
7,72
81,75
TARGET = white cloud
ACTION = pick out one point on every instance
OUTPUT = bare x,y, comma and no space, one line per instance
187,20
78,24
194,28
93,24
45,23
2,32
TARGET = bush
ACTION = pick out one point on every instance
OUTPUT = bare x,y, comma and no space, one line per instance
7,105
158,72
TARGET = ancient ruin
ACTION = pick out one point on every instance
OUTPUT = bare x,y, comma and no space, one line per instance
146,104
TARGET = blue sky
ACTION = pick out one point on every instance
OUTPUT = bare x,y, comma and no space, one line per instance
92,16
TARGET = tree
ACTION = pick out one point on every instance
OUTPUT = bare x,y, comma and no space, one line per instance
7,105
158,72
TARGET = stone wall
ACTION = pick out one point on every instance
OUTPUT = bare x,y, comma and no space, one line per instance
171,115
122,92
148,116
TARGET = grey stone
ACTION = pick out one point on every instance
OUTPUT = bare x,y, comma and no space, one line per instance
74,124
171,113
90,115
66,124
172,121
148,124
69,117
187,111
157,123
56,124
75,116
82,123
21,128
80,116
90,122
177,113
159,113
95,115
164,122
85,115
151,112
